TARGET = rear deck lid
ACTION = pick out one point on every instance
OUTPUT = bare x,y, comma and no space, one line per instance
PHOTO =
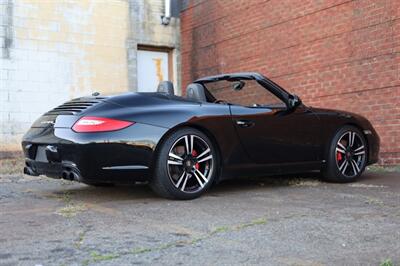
67,113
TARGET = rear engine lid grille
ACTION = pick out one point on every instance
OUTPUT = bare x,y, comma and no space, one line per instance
75,106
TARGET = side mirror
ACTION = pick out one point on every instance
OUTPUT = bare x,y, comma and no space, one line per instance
238,85
294,101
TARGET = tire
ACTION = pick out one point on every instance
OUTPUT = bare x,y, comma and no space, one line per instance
347,156
185,165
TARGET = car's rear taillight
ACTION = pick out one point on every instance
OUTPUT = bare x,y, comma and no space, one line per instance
99,124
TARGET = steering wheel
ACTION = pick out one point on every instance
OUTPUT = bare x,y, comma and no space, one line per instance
220,101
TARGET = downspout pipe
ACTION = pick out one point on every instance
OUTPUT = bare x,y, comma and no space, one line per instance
165,19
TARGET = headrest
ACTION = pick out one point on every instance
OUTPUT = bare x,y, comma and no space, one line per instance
166,87
196,92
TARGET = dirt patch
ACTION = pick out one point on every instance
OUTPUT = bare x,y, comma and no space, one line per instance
11,166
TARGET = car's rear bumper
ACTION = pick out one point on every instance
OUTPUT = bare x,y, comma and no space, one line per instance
122,156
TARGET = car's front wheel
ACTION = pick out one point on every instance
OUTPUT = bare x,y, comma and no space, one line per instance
186,165
347,156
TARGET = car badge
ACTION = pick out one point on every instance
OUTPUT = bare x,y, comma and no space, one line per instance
49,122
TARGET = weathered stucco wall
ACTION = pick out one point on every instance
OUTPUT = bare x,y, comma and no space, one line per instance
52,51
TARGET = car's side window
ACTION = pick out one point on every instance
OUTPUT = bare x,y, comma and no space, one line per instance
249,93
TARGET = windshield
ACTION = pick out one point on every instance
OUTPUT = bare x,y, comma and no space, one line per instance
244,92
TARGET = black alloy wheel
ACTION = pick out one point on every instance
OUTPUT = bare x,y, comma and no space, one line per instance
186,165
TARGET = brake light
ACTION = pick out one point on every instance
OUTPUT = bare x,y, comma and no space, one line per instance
99,124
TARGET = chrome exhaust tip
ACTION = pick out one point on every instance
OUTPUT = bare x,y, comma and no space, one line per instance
65,175
75,176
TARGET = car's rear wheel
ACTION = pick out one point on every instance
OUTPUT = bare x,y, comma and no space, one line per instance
186,165
347,156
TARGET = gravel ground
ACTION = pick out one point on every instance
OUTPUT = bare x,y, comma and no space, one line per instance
269,221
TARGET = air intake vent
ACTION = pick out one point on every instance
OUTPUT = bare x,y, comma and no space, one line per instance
75,106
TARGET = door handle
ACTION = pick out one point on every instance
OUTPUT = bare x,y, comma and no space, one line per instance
245,123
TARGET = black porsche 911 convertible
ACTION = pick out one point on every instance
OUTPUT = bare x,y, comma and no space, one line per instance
183,145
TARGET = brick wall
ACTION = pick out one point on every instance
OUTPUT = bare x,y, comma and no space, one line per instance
334,53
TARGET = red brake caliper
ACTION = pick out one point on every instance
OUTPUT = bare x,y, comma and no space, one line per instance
194,154
338,156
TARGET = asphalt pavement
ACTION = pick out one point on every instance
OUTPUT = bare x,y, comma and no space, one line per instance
269,221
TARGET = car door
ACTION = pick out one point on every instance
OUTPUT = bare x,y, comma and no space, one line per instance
277,135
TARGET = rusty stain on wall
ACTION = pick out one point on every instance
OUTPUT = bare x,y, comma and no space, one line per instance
158,64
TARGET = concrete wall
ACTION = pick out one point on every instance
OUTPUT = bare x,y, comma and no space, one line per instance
336,54
147,30
52,51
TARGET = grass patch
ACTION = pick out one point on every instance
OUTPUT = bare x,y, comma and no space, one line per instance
361,185
220,229
303,182
384,169
97,257
387,262
11,166
79,241
373,201
71,210
223,229
66,197
140,250
252,223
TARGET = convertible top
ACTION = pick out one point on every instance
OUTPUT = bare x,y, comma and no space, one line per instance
231,76
264,81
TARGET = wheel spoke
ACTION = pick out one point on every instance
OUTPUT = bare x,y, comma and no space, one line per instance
359,153
356,165
180,179
173,155
205,159
187,145
174,162
340,150
198,179
354,168
343,166
184,182
201,175
352,135
203,153
341,146
191,144
359,148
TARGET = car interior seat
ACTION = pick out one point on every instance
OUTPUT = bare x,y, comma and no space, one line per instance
166,87
196,92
